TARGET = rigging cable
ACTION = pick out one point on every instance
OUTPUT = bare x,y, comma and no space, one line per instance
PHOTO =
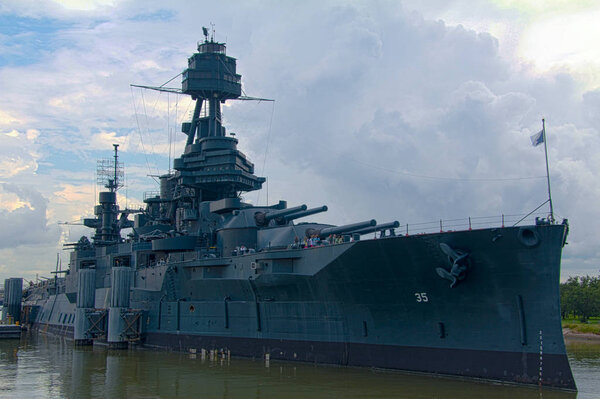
153,153
266,153
169,130
140,133
172,137
170,80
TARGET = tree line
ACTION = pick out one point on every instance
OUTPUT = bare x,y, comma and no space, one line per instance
580,297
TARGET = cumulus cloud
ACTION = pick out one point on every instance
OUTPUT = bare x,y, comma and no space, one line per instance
7,119
380,111
25,224
19,154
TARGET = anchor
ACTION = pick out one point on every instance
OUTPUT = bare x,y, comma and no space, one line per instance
459,264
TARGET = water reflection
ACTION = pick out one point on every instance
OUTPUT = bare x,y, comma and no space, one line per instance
584,357
48,367
8,366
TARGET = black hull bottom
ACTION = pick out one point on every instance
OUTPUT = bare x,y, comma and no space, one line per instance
466,363
53,329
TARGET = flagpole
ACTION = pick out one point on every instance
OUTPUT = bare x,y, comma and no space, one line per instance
547,171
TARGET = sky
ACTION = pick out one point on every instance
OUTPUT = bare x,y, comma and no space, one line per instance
411,111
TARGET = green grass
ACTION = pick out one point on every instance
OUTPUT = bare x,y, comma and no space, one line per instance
593,325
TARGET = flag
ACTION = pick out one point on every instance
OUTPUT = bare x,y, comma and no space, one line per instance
537,138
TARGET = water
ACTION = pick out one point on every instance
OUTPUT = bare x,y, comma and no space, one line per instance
50,367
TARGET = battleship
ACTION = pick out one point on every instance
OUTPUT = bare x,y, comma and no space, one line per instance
202,271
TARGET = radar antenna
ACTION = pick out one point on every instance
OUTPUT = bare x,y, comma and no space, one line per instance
109,172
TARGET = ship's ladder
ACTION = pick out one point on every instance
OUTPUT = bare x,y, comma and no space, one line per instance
170,284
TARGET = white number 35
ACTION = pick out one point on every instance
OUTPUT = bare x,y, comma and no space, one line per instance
421,297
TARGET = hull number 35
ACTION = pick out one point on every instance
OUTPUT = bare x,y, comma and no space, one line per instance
421,297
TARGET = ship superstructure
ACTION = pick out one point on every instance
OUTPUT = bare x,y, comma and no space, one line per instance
202,269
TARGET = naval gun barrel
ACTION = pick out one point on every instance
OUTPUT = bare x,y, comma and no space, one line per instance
270,215
341,229
378,227
312,211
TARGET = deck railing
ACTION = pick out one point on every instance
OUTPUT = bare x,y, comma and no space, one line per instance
469,223
151,194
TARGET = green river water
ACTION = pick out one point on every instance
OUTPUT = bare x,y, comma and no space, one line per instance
50,367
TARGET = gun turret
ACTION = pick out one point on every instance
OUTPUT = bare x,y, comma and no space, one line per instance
322,233
378,227
307,212
263,218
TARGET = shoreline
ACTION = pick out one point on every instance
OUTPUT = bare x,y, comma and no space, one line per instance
573,335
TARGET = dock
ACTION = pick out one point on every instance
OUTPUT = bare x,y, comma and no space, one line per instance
10,331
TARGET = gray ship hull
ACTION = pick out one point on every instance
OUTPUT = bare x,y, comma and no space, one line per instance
374,303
